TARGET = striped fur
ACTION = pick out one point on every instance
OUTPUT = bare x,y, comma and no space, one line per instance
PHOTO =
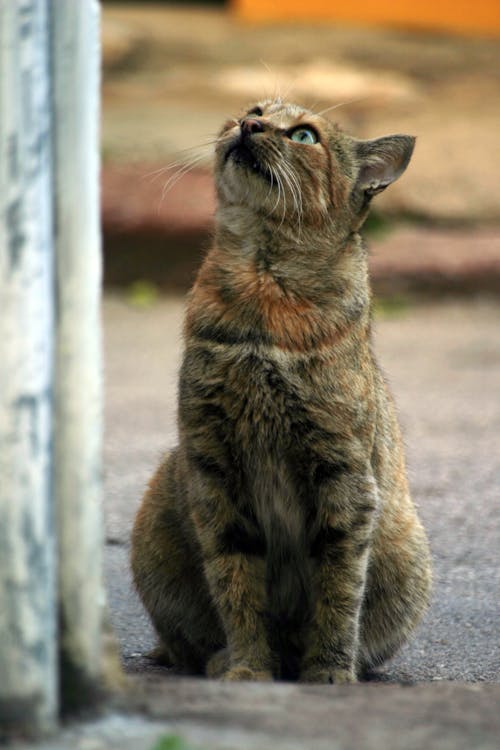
279,540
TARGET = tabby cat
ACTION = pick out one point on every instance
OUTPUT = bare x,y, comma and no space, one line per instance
279,540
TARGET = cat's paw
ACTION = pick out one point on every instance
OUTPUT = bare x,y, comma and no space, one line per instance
218,664
161,655
246,674
333,676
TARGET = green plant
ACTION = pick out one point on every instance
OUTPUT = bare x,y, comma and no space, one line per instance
172,742
391,307
142,294
377,225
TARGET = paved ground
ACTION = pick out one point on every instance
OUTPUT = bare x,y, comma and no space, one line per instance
190,715
444,365
443,361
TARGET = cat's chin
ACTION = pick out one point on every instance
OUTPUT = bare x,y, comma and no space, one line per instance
238,184
251,167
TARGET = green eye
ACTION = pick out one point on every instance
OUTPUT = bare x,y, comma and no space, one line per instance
304,135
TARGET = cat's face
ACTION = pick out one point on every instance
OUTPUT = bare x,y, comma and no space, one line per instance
296,166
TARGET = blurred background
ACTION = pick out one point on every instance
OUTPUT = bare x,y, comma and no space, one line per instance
173,72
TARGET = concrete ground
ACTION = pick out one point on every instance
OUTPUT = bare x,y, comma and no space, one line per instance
190,715
442,690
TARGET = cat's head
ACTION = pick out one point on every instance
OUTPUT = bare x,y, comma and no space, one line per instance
284,161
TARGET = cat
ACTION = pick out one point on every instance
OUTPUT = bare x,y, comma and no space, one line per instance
279,540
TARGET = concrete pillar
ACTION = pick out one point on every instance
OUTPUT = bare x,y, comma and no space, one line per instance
78,408
51,587
28,673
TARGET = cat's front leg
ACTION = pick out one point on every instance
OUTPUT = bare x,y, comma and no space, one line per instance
342,550
234,566
237,584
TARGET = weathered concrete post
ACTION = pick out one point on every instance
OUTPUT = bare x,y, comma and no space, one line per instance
28,670
77,436
51,588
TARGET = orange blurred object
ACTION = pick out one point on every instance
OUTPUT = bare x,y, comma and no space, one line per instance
480,17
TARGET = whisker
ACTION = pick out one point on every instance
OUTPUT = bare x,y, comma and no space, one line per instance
203,144
284,175
300,206
280,190
174,179
291,179
183,170
296,182
272,74
271,175
178,163
275,152
341,104
162,170
291,85
295,190
310,107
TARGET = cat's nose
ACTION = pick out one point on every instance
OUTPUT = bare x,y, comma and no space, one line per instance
250,126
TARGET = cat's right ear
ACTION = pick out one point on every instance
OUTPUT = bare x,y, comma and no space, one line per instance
381,161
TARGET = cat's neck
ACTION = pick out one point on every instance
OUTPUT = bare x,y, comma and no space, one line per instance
300,290
243,229
317,263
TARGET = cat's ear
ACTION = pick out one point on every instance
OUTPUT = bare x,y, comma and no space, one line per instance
381,161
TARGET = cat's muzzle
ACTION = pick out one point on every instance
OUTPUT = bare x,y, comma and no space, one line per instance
242,151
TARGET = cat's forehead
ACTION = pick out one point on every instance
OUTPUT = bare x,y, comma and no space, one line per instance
283,109
287,114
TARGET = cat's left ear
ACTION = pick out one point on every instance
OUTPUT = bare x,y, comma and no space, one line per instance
381,161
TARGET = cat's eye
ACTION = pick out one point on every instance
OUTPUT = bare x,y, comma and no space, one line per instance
257,111
304,135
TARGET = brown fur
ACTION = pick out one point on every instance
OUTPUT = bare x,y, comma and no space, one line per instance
279,540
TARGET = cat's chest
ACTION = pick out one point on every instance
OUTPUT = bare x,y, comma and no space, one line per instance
262,400
272,402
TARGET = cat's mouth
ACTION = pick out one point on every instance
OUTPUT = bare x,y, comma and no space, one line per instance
243,155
